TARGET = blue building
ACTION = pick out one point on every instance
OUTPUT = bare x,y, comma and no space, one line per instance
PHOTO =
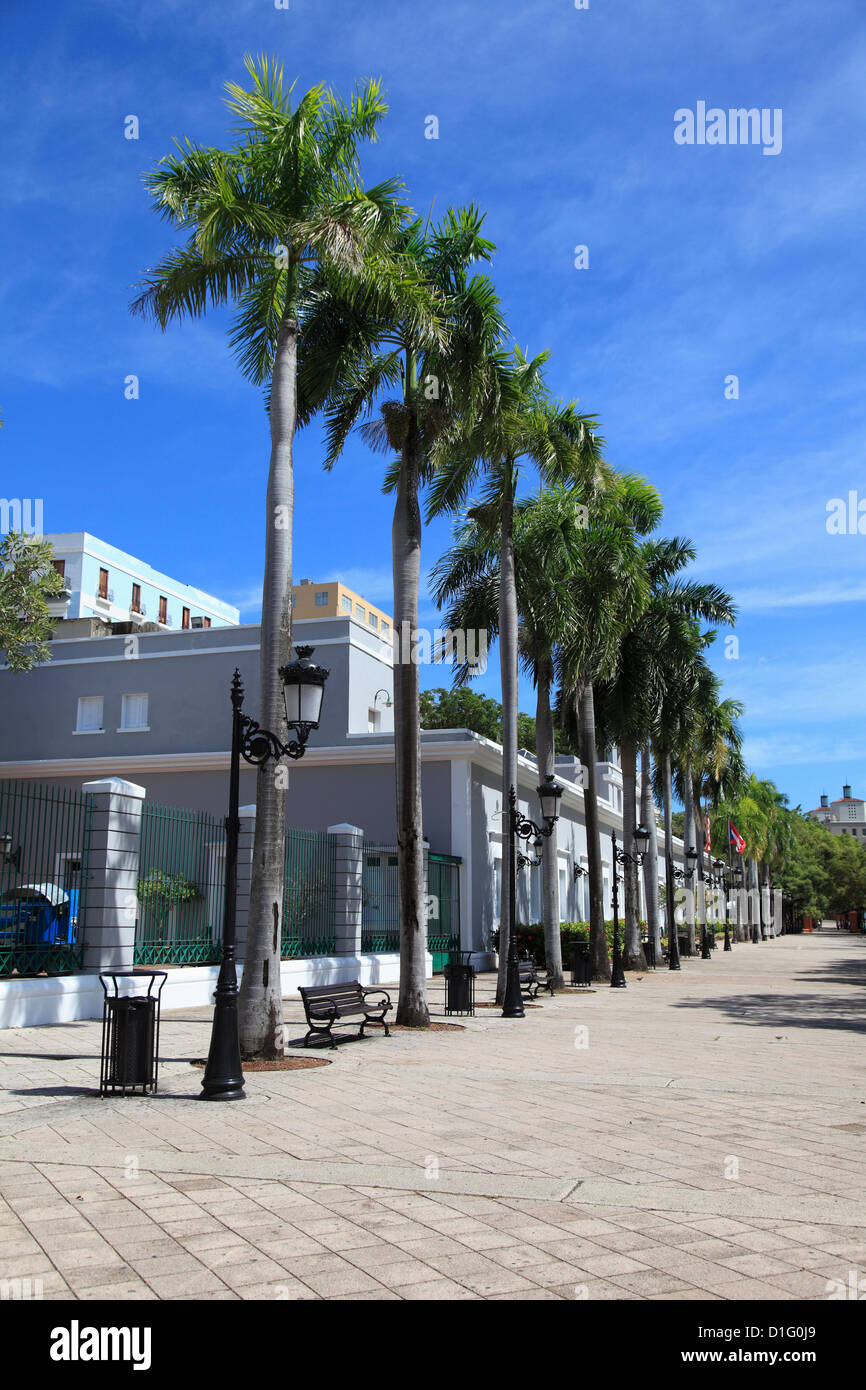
104,582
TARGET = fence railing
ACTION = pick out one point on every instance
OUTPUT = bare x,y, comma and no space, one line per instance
380,903
380,899
44,867
309,895
181,887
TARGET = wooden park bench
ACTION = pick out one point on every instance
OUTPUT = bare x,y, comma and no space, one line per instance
327,1006
530,981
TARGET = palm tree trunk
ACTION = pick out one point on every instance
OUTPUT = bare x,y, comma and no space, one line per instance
588,756
754,897
412,1008
260,1015
508,668
670,891
651,863
701,916
633,957
544,747
690,842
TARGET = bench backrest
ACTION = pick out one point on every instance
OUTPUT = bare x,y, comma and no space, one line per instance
341,994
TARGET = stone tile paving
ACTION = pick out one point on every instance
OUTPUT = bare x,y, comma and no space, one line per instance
702,1139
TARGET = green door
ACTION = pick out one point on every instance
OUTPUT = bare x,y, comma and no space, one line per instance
443,922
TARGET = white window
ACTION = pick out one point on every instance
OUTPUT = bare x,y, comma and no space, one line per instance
346,603
497,889
563,894
322,598
372,620
133,713
89,719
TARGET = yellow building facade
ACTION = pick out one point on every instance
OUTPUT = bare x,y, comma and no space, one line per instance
333,600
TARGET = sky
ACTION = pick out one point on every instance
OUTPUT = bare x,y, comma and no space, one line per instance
706,262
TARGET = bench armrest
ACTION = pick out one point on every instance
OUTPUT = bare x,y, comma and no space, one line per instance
372,989
328,1007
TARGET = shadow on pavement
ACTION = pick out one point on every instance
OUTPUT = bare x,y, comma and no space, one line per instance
788,1011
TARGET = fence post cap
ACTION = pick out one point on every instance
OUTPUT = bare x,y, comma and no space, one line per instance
116,786
345,830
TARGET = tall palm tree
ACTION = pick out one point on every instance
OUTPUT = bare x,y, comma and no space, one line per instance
632,700
263,217
606,590
522,427
355,351
467,578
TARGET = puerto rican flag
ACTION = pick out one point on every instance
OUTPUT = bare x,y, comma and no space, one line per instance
735,838
707,830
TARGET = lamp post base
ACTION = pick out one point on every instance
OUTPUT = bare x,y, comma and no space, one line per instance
223,1078
512,1006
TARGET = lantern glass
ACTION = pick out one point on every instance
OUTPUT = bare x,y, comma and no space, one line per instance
303,690
641,839
549,794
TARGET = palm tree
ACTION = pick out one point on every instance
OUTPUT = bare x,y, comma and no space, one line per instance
354,351
263,217
606,589
467,578
632,700
521,426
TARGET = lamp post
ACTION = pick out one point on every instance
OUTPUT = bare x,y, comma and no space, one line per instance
303,689
735,878
521,828
671,877
720,867
676,875
641,840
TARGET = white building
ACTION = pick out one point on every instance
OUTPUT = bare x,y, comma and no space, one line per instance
846,816
104,582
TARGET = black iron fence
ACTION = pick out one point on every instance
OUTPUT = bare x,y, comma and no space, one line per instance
45,837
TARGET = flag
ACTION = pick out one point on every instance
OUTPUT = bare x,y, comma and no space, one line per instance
735,838
707,830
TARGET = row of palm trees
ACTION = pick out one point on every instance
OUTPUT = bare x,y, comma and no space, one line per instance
349,308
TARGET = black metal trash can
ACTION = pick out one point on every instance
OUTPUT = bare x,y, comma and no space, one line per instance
581,964
459,983
684,945
130,1035
649,950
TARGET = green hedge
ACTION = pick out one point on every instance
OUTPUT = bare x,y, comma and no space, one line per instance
530,939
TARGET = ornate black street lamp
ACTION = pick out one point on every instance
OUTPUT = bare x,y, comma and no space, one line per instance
521,828
641,841
303,690
735,882
720,871
525,861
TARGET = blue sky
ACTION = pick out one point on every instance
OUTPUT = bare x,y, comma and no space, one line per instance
704,261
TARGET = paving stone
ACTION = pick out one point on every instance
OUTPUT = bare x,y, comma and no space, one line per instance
605,1181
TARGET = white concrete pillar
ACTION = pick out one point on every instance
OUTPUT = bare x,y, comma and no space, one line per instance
112,901
349,854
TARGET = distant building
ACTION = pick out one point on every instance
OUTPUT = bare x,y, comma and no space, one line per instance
333,600
106,583
847,816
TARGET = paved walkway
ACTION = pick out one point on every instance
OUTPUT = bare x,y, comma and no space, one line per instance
695,1136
